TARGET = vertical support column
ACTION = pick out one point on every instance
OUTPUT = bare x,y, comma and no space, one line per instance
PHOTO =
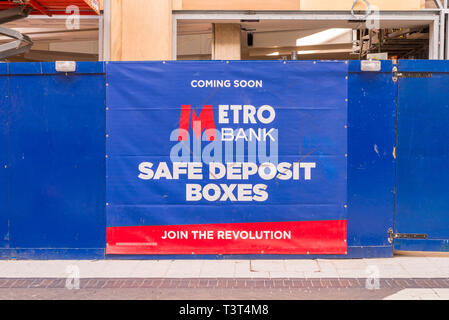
174,38
100,37
106,30
434,30
446,19
447,37
141,30
227,42
442,38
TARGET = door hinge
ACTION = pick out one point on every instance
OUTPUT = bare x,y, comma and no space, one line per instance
396,74
392,235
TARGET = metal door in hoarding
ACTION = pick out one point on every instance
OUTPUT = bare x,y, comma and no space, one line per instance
422,182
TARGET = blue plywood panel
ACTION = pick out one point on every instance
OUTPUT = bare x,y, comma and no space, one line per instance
371,164
57,159
438,66
423,156
4,154
56,171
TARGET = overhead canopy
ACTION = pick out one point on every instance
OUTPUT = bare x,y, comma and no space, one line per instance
52,7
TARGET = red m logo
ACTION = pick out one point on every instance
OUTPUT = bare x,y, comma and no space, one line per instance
204,122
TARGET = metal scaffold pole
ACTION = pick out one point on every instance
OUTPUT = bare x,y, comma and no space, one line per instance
445,43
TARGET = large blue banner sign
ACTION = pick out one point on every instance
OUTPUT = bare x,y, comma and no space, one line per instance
225,157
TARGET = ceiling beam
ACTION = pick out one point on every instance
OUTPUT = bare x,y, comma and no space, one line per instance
288,50
311,56
36,5
43,55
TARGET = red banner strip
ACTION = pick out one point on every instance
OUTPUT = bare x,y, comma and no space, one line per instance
303,237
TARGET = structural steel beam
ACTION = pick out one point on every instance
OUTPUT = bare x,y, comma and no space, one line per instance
14,14
438,4
14,47
22,43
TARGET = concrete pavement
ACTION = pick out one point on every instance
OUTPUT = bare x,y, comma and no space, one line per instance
395,278
397,267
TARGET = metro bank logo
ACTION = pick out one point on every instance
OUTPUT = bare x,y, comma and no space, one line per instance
227,114
205,121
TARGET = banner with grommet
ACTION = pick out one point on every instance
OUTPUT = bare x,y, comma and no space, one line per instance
226,157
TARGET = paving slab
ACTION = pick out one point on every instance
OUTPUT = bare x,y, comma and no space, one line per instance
420,294
401,267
